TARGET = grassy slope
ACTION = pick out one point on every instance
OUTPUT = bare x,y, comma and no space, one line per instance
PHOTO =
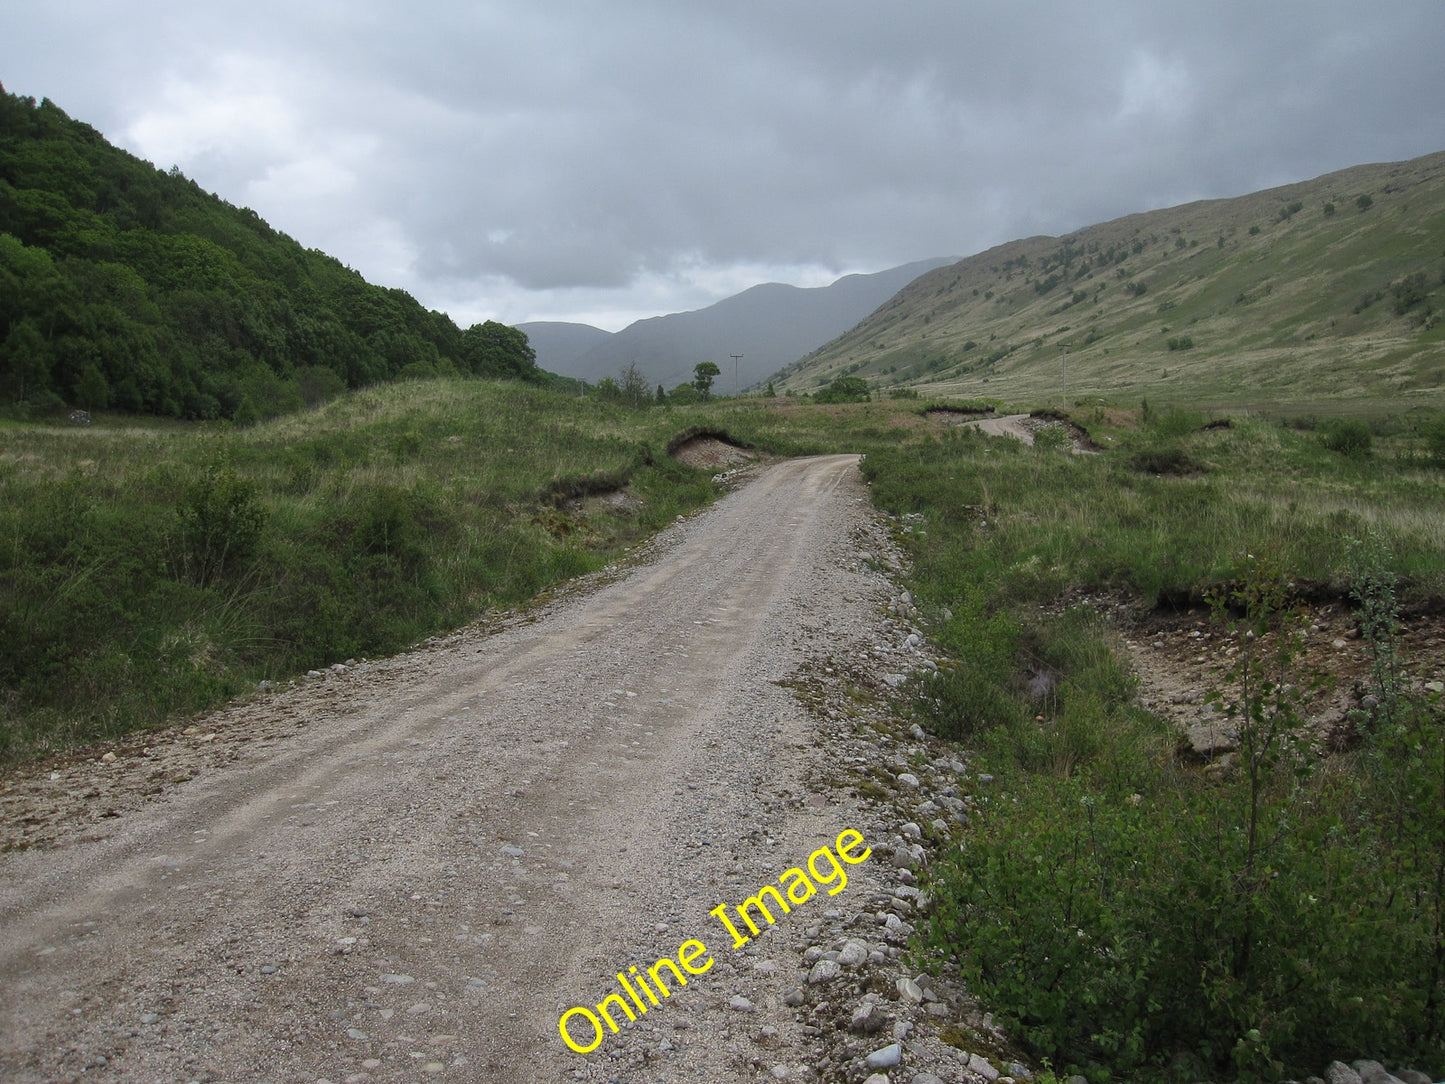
149,568
1271,313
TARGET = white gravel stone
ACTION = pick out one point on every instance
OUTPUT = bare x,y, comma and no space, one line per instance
824,971
886,1058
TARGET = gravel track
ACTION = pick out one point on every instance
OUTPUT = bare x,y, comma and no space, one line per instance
409,870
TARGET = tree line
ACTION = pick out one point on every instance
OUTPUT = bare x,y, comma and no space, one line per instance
126,287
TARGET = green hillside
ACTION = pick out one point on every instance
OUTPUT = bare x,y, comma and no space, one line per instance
126,287
1326,290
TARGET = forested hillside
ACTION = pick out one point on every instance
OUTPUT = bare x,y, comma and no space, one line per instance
127,287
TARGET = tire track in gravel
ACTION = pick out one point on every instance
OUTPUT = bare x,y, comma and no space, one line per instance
409,871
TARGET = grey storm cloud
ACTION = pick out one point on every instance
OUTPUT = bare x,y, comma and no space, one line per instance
535,159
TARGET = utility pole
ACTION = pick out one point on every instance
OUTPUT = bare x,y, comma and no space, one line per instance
1066,374
736,358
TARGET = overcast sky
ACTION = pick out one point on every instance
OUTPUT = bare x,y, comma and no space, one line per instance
603,161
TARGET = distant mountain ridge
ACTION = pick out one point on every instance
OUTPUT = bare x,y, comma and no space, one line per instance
770,325
564,343
1326,290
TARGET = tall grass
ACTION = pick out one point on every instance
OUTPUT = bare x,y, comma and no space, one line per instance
1027,524
152,569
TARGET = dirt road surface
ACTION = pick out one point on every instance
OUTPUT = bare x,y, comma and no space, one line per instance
409,870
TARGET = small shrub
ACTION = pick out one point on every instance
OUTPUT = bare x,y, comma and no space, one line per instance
1348,437
634,388
1168,459
1433,432
844,389
1409,292
221,520
971,696
963,701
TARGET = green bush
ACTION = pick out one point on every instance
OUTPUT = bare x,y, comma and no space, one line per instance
962,701
1164,459
1348,437
844,389
221,520
969,696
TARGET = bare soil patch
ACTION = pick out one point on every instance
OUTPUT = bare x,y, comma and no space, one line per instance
1182,659
1026,427
1036,423
711,452
957,415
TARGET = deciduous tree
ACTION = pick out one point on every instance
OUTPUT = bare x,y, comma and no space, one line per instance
498,351
703,374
